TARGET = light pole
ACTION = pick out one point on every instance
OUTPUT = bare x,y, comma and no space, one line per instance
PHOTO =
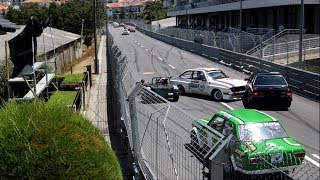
240,21
301,32
96,61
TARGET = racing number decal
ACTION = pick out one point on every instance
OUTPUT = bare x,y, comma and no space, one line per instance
197,84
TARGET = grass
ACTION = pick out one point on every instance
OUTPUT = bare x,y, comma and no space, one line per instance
71,78
49,141
63,97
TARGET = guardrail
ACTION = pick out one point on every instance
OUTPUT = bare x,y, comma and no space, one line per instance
302,82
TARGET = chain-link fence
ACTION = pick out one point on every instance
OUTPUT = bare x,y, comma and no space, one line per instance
168,143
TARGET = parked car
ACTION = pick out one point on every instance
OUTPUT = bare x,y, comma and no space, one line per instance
263,146
265,88
132,29
161,86
115,24
125,32
209,81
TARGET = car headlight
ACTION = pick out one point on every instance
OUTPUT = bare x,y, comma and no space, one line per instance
175,87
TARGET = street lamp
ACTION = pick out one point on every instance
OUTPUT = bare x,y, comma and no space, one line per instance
301,32
240,26
96,61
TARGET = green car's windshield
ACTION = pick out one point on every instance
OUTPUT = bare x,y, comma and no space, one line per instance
261,131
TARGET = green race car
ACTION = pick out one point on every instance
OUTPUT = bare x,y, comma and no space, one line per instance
264,146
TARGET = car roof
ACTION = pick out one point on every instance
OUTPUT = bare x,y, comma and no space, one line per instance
204,69
244,116
268,73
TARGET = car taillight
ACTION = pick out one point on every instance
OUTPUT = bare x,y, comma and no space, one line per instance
289,94
254,160
256,93
299,155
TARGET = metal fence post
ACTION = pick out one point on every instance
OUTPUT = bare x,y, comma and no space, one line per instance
90,74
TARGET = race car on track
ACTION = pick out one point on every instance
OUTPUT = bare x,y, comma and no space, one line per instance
132,29
265,88
161,86
209,81
264,146
125,32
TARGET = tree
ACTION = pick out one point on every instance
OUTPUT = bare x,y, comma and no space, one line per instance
67,17
154,10
122,14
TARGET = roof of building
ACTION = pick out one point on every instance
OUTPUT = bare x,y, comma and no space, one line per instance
6,25
2,7
126,3
37,1
114,5
46,42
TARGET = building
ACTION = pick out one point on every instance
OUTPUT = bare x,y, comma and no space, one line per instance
131,8
42,2
221,14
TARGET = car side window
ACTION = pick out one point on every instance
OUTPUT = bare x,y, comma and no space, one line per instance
216,123
198,75
227,128
186,75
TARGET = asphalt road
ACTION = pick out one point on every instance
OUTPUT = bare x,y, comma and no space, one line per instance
155,58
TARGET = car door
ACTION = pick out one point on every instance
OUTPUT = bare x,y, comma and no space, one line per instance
185,80
198,84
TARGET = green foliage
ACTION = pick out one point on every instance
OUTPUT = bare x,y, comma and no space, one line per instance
71,78
69,81
154,10
3,81
63,97
122,14
67,17
49,141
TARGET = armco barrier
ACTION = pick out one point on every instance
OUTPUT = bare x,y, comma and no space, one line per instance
302,82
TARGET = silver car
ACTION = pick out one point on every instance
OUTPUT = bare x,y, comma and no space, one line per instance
209,81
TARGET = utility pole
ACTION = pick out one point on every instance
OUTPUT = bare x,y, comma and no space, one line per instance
240,21
96,61
301,32
82,22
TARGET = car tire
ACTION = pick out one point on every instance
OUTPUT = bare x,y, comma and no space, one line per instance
181,90
217,95
175,98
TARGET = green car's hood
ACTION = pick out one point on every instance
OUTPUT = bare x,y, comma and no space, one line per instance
272,146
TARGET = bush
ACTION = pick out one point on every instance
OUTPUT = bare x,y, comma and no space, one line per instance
49,141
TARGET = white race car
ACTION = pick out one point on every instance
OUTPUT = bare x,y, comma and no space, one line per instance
209,81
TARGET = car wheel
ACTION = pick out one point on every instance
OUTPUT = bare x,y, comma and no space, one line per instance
175,98
217,95
194,140
181,90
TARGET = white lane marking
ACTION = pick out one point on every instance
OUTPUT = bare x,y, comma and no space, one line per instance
172,66
225,104
316,156
160,58
141,46
148,73
312,161
147,50
138,43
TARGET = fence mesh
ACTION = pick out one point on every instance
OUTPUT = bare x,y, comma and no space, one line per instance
170,144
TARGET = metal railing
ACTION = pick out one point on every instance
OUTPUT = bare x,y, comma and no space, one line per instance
290,47
271,40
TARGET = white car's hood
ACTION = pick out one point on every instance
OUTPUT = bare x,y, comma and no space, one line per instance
231,82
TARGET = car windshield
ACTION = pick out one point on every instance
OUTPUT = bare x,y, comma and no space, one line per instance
216,75
261,131
270,80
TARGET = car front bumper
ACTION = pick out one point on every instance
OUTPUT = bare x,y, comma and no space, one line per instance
233,96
